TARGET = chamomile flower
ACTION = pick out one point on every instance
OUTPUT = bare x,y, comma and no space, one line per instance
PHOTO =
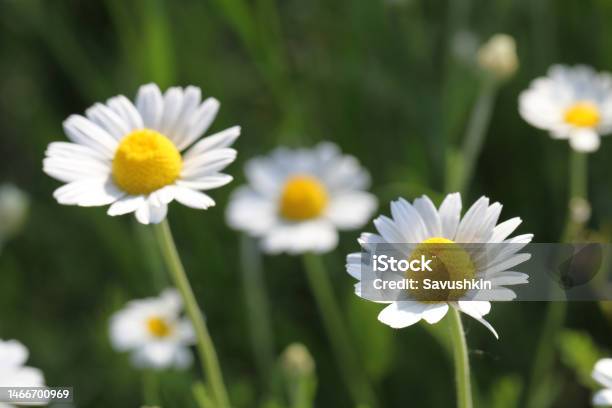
139,158
13,371
573,103
602,373
154,332
414,226
296,200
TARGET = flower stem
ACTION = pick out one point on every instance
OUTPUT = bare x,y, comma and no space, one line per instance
540,382
462,363
208,355
474,137
150,388
256,302
359,387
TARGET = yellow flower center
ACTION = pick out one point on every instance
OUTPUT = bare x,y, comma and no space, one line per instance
450,263
303,198
158,327
146,161
582,114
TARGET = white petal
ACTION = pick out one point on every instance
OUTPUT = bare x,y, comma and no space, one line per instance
249,211
150,105
88,193
408,221
430,216
200,121
12,354
151,213
84,132
173,103
602,372
208,163
219,140
503,230
350,210
317,236
434,313
123,107
470,225
450,214
108,120
475,309
76,168
584,140
206,182
192,198
603,397
191,100
126,205
402,314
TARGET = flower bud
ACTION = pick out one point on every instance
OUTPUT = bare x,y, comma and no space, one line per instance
14,205
297,361
498,56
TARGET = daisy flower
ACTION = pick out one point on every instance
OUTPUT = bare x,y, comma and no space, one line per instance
13,371
414,226
602,373
154,331
139,158
572,103
296,200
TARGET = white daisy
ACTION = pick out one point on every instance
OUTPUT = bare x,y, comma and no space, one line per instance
154,331
412,226
138,158
296,200
572,103
13,372
602,373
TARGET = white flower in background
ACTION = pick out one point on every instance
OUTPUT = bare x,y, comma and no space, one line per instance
572,103
414,226
154,331
138,158
498,56
13,372
602,373
296,200
14,205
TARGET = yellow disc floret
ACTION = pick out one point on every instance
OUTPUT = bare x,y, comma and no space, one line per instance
303,198
158,327
146,161
582,114
450,264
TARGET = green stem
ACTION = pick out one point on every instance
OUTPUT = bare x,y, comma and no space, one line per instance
150,388
359,387
208,355
462,363
474,136
256,302
541,381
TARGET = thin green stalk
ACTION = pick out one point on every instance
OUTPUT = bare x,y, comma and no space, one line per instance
474,137
256,302
150,388
541,381
359,387
208,355
461,359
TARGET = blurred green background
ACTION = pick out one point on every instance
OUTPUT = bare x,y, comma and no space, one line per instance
392,82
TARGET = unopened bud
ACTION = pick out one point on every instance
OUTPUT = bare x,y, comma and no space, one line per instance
14,205
297,361
498,56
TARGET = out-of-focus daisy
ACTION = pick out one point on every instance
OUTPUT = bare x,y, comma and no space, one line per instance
154,331
572,103
138,158
14,205
296,200
13,371
602,373
414,226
